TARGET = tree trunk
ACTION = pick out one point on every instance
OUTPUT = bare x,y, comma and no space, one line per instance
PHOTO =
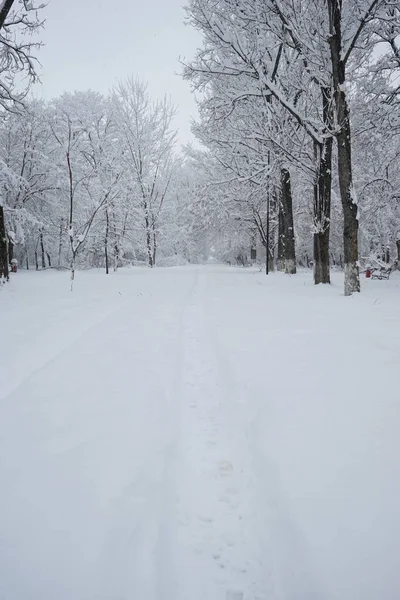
60,242
398,254
148,243
321,257
281,238
322,198
42,250
10,250
350,231
36,261
106,242
288,228
48,259
271,262
271,241
3,247
149,250
116,256
154,247
73,270
5,9
343,136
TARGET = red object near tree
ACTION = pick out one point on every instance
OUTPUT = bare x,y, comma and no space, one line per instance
368,273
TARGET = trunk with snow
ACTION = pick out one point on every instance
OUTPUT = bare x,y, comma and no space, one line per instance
42,250
350,230
3,247
106,242
271,262
60,242
116,256
281,239
154,248
322,198
343,136
289,252
72,269
148,236
149,248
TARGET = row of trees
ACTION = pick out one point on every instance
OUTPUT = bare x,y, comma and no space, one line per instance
304,96
85,179
90,179
299,109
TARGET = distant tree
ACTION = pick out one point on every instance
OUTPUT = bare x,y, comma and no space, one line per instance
148,154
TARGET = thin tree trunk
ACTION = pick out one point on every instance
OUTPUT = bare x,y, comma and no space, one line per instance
322,198
42,250
148,243
73,270
154,247
398,254
288,228
36,261
271,243
3,247
60,242
343,136
106,242
48,259
116,256
10,250
116,245
281,238
149,249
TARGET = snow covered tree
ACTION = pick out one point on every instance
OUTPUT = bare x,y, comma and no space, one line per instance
18,71
302,56
148,155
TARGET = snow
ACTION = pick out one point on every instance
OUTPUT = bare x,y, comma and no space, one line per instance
198,433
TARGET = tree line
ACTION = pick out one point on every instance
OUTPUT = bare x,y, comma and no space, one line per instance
305,93
299,123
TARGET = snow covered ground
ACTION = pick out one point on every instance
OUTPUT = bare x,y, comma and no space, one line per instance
199,433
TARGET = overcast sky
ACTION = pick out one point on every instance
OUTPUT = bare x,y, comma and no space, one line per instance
91,44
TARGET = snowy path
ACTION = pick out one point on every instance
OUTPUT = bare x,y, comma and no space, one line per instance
198,433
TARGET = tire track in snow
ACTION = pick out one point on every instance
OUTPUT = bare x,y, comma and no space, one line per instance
212,555
279,551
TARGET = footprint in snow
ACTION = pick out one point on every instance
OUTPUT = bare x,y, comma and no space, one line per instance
225,467
232,595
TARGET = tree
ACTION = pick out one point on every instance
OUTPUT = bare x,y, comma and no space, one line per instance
17,64
144,129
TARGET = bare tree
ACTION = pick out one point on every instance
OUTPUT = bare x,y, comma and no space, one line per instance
144,128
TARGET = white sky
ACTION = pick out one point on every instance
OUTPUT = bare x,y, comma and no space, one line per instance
91,44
